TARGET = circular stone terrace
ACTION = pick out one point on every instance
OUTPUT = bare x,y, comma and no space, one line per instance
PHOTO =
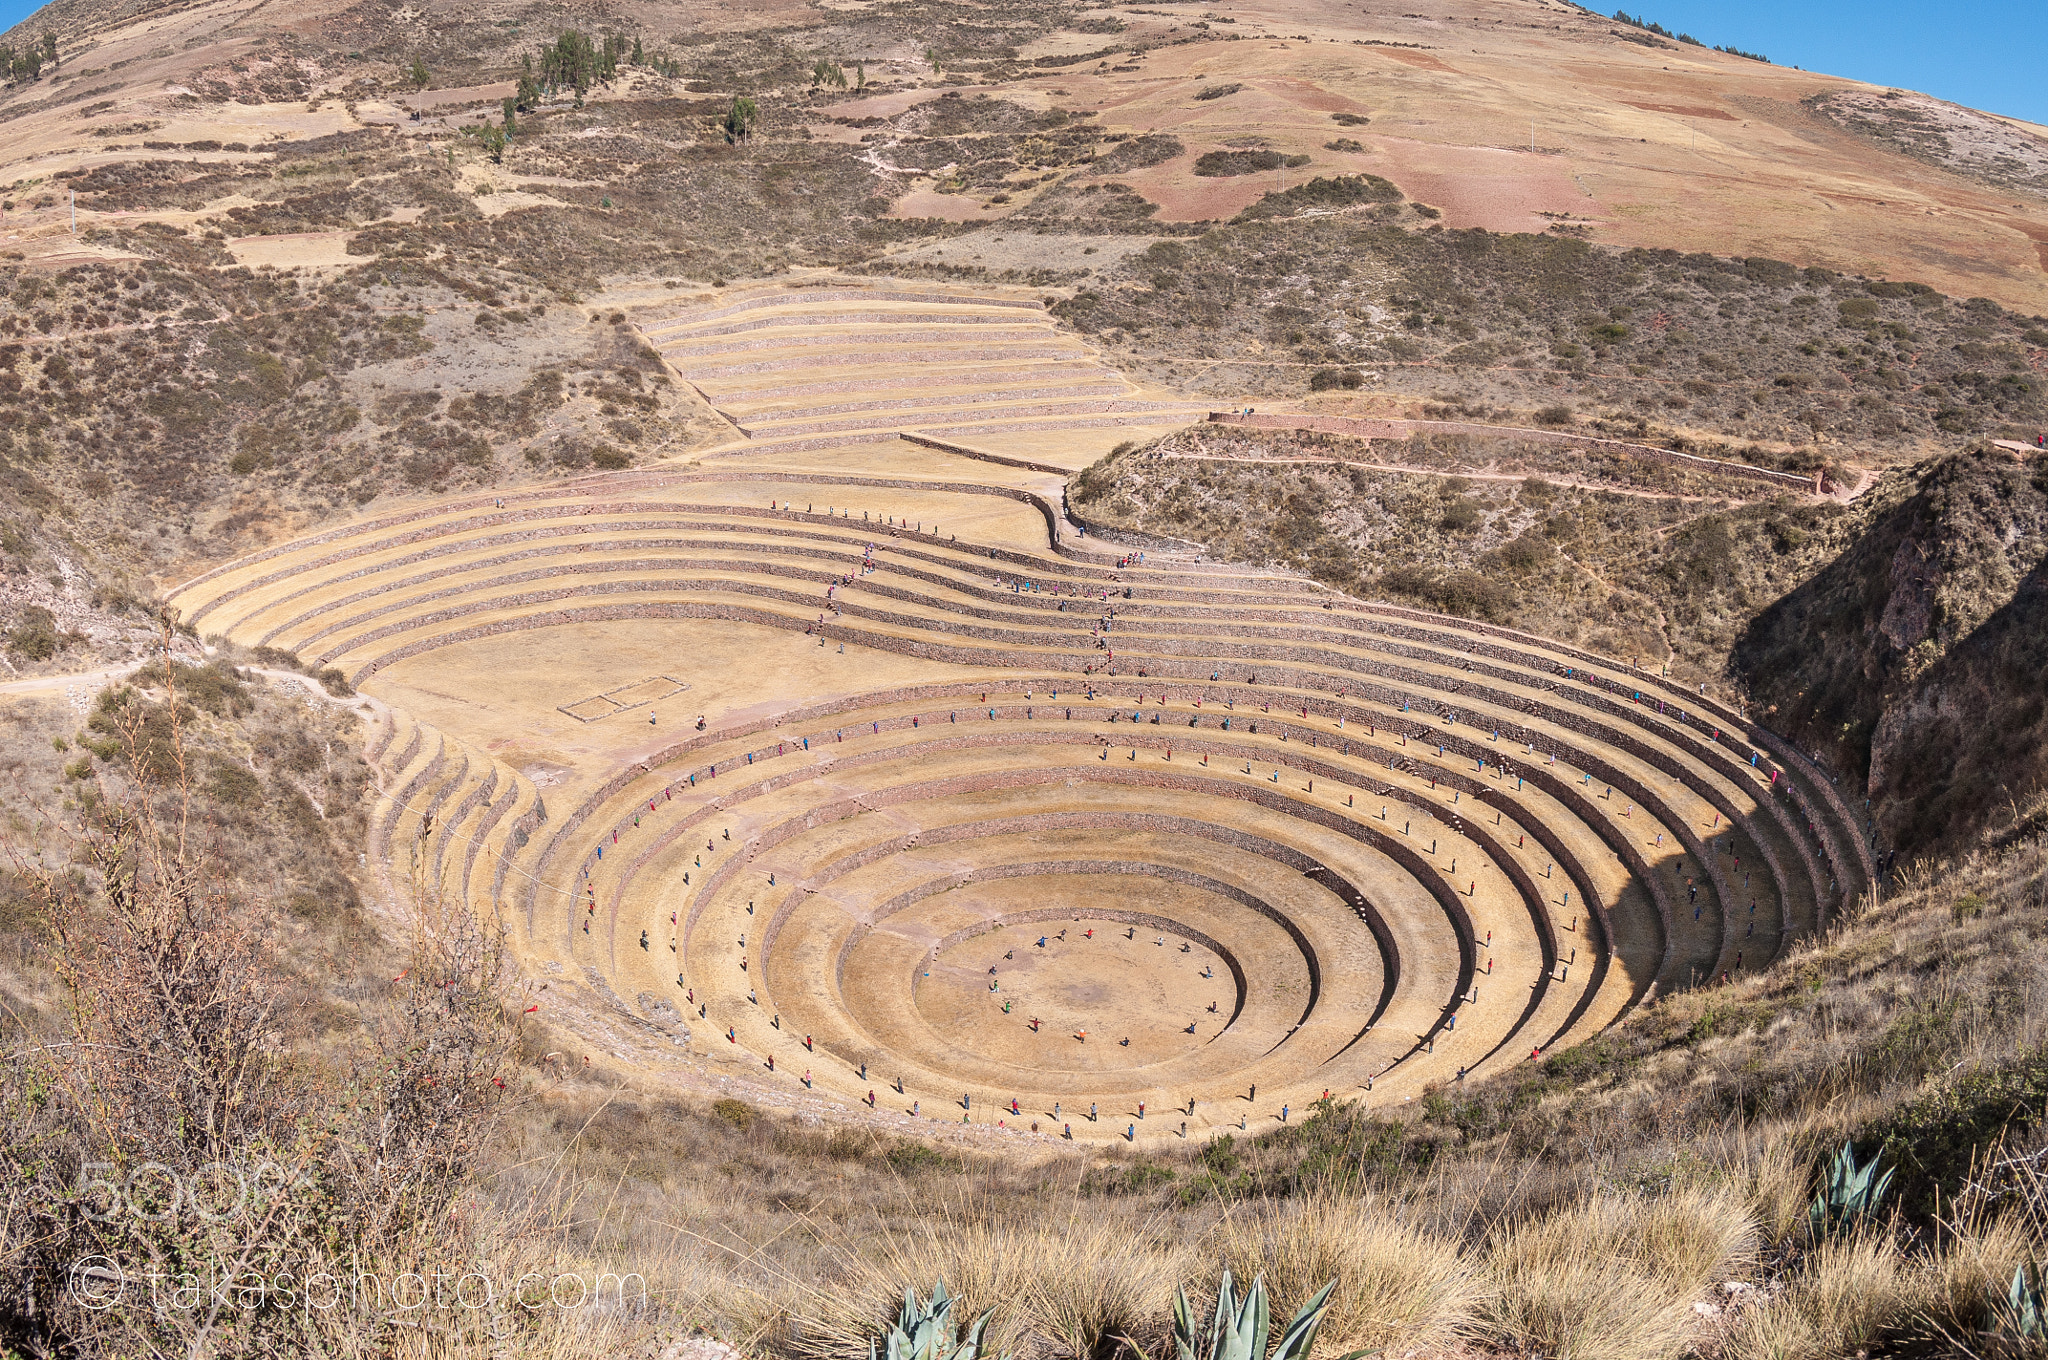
863,778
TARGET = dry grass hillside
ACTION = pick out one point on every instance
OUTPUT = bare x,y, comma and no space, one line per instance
1751,358
1633,560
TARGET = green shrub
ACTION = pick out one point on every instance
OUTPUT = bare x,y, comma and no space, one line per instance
232,786
1462,515
737,1113
35,635
1936,1139
214,687
1324,191
1225,164
910,1158
1524,553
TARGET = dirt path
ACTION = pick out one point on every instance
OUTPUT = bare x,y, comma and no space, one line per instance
96,679
1445,472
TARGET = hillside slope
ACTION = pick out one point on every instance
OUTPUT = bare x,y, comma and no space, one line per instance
1514,115
1968,747
1907,658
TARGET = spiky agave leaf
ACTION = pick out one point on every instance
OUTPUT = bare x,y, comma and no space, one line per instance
1226,1304
1300,1336
1244,1335
970,1348
2024,1302
1184,1339
1239,1327
1849,1192
925,1329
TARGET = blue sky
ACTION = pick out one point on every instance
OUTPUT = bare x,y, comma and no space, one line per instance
1989,55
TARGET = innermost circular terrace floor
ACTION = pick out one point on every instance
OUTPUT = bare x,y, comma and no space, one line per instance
1119,983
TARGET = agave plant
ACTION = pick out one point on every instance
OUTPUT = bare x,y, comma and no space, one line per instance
1850,1193
2026,1310
924,1330
1238,1330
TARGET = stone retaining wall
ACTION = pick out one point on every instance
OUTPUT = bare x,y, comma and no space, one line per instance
1560,790
1010,415
1274,659
515,790
1608,736
383,829
444,789
571,514
925,441
516,840
1170,873
712,372
1589,761
1269,658
747,302
1729,720
964,785
988,395
706,331
1294,860
993,331
479,794
1074,366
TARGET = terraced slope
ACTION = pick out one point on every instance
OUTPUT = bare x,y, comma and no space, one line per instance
834,365
975,816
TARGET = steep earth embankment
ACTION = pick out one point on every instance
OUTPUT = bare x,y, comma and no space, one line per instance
1915,658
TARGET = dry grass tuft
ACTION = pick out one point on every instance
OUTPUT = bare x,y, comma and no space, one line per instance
1777,1181
1974,1269
1071,1287
1851,1291
1614,1278
1398,1287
